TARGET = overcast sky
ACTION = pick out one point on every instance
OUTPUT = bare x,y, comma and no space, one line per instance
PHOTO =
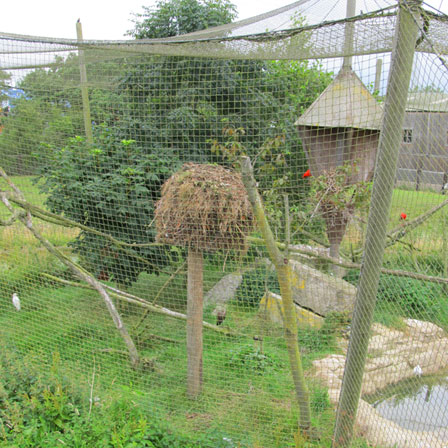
110,19
101,19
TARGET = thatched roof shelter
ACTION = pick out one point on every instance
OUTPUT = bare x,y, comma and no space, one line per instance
204,207
342,125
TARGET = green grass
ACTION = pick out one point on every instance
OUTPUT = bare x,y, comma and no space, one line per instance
44,408
248,393
414,203
16,242
28,186
427,236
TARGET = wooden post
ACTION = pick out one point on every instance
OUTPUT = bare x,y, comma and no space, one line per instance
84,91
386,165
194,322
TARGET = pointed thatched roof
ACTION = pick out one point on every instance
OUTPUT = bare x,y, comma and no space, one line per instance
345,103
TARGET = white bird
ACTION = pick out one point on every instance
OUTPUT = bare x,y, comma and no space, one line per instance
418,371
16,301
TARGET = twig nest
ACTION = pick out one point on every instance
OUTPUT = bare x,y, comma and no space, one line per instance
204,207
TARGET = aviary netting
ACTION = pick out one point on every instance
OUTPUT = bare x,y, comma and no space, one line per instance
120,166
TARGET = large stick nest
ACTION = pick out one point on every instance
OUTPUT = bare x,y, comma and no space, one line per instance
204,207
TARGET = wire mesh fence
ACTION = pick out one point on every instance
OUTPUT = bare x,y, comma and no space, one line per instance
184,222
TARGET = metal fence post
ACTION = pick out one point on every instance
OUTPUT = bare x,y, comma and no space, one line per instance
386,164
84,91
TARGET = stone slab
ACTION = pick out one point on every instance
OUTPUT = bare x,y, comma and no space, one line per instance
272,305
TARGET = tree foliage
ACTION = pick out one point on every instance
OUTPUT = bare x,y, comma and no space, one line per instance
111,186
4,78
26,127
175,17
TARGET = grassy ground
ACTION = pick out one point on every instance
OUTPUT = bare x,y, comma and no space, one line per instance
248,393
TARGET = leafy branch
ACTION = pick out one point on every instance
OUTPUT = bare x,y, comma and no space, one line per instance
334,189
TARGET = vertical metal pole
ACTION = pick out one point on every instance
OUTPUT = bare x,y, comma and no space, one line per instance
84,91
349,34
379,66
386,164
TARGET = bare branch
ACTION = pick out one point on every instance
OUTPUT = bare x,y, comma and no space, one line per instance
130,298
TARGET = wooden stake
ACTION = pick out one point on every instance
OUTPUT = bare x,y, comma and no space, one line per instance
194,322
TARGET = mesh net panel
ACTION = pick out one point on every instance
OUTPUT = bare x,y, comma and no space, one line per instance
131,250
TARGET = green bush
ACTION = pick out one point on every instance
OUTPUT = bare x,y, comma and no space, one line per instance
110,186
45,410
254,285
314,341
408,296
251,360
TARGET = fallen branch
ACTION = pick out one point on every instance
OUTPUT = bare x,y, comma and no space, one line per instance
12,219
54,218
159,292
312,237
130,298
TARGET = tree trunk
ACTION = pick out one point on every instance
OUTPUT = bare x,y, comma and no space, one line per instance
194,323
334,250
284,275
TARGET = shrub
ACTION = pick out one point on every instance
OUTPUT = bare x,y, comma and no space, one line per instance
110,186
320,340
254,285
410,297
43,409
249,359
